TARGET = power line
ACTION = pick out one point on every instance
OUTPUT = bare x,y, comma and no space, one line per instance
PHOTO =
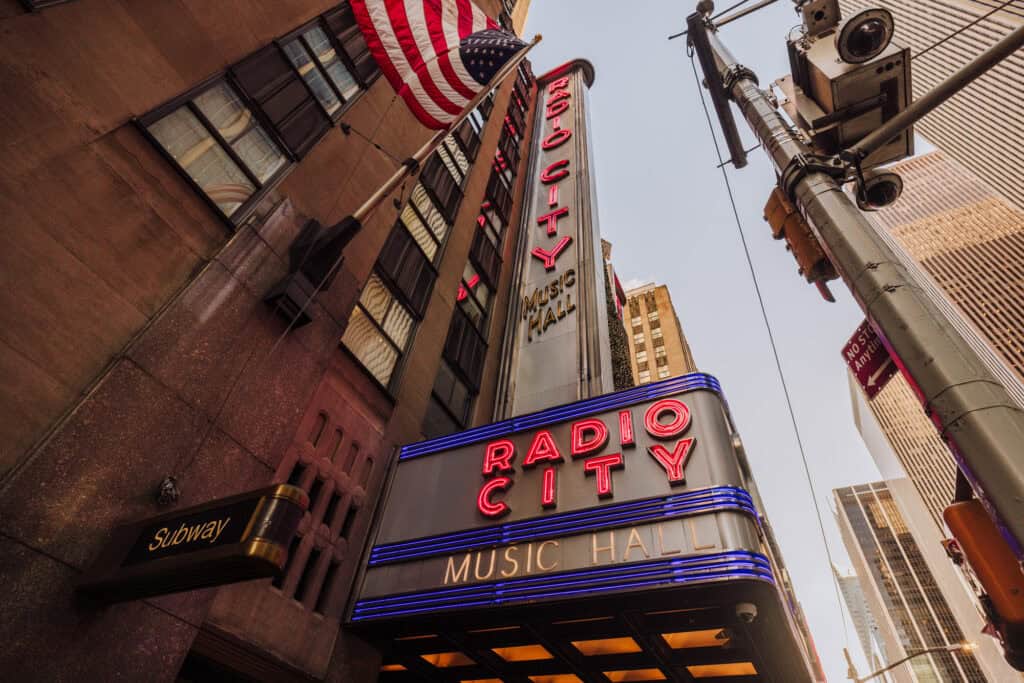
961,30
775,351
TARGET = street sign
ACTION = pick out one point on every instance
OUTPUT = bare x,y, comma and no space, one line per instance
233,539
869,360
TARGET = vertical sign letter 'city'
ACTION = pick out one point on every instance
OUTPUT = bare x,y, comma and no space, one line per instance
555,301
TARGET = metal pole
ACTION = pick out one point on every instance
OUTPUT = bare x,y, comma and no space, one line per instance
974,413
952,85
955,647
698,38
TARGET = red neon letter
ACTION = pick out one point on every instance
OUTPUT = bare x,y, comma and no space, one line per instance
483,499
551,218
555,172
603,466
626,428
553,195
557,107
547,492
542,448
558,84
548,257
679,423
675,461
588,436
556,139
557,96
498,457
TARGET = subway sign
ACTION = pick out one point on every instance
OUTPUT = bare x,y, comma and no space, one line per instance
232,539
627,491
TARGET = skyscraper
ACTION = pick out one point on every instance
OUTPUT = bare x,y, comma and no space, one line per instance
911,611
863,620
657,346
983,126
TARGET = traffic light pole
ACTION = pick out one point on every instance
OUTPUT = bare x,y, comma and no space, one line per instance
972,410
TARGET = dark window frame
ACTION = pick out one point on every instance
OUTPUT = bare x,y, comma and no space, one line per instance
297,35
238,217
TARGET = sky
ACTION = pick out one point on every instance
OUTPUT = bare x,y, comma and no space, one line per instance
663,204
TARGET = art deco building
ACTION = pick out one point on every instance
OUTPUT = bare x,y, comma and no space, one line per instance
983,126
909,607
657,346
160,161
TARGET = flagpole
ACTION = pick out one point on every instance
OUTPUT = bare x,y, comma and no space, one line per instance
318,256
411,165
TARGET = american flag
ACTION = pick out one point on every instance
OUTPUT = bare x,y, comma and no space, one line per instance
437,54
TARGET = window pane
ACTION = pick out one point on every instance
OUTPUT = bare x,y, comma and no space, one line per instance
325,54
376,298
237,126
435,221
195,150
419,231
398,324
370,347
298,56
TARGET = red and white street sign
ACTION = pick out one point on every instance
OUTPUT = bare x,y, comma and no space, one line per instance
869,360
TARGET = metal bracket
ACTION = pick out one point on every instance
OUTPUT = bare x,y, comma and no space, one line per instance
734,74
802,164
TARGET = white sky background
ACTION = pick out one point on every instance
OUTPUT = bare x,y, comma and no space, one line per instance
663,205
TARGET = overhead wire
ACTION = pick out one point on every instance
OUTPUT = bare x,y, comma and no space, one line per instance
960,30
774,348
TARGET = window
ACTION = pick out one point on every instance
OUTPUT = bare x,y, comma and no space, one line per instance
449,406
342,27
663,373
653,322
634,308
644,376
474,298
653,315
216,141
641,356
636,321
661,361
641,346
659,352
315,58
656,333
379,330
638,337
407,267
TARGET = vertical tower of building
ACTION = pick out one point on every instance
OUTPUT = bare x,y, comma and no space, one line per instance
863,620
980,127
911,611
657,346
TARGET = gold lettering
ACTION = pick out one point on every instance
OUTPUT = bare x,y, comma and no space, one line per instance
509,558
549,319
453,576
570,277
610,548
158,538
490,569
569,305
220,528
693,536
631,543
179,535
661,543
534,326
540,556
561,311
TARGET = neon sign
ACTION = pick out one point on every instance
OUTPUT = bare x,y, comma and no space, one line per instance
665,421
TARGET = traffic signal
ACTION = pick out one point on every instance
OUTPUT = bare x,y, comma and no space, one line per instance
997,570
787,223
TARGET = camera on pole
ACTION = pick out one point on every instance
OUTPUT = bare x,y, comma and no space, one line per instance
847,79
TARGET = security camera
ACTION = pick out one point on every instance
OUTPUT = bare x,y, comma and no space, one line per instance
746,612
879,189
846,82
864,36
